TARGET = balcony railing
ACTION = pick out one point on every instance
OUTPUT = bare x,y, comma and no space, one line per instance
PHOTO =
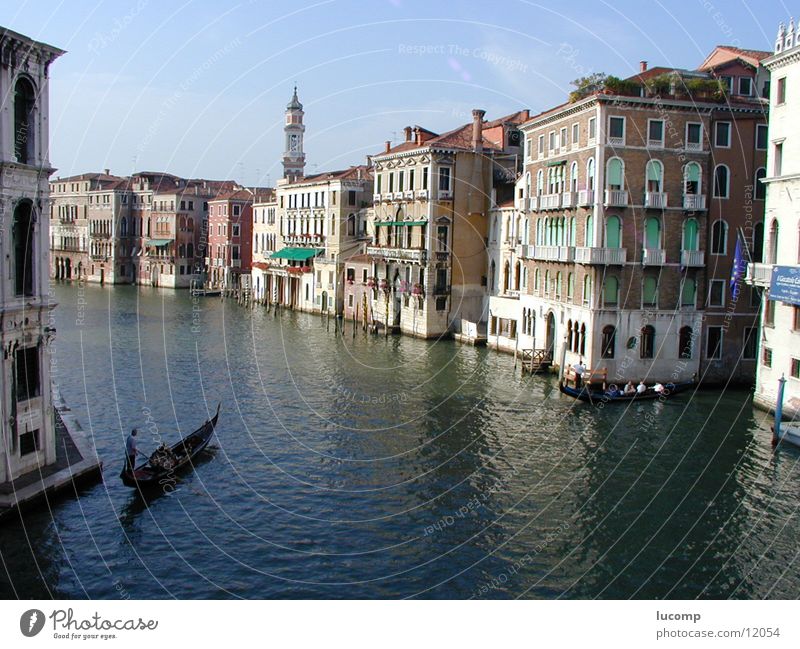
422,194
759,274
417,255
569,199
445,195
654,257
601,256
655,200
616,198
692,258
585,197
533,203
694,202
550,201
376,198
694,146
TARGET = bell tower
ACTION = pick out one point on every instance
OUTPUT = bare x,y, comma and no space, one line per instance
294,159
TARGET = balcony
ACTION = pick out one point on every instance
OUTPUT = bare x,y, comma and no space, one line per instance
654,257
616,198
549,201
422,194
416,255
445,195
694,146
376,198
601,256
441,255
759,275
566,253
569,199
586,197
694,202
550,253
236,263
655,200
525,251
398,196
533,203
693,258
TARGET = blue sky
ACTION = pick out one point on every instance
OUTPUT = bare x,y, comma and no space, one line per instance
198,88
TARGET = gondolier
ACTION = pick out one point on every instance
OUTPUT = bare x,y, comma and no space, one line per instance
131,450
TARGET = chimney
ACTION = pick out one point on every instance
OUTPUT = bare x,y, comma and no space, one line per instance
642,66
407,131
418,134
388,146
477,128
107,172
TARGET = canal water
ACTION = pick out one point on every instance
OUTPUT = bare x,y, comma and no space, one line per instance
369,467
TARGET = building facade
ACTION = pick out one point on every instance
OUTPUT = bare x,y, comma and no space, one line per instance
780,320
28,432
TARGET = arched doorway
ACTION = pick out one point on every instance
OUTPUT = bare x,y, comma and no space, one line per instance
551,334
324,301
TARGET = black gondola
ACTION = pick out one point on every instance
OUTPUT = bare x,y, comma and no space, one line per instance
608,396
150,474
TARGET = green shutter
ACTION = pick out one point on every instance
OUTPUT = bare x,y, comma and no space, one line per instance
652,232
613,233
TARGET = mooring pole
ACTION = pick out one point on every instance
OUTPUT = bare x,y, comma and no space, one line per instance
776,428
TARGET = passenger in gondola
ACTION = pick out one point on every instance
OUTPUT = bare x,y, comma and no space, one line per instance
613,391
629,389
658,388
641,388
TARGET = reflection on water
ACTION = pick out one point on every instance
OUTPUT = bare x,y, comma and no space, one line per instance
374,467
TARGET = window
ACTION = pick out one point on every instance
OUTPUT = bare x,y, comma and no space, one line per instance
590,175
761,137
29,442
750,343
652,232
587,290
721,181
746,86
613,232
235,230
592,129
714,343
608,341
655,132
410,186
615,174
781,91
719,238
761,187
551,143
692,179
722,135
654,173
690,235
766,357
772,252
24,121
694,136
689,292
649,291
444,179
685,342
425,178
616,130
562,137
22,233
26,368
769,313
795,368
611,292
540,148
576,129
716,292
236,209
727,83
796,318
647,342
778,158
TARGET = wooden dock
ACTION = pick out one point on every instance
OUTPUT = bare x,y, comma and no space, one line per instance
534,360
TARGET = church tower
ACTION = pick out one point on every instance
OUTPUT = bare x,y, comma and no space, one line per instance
294,160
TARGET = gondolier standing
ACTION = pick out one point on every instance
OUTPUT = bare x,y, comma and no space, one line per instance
131,450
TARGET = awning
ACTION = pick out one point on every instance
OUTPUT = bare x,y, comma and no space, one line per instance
378,223
557,163
297,254
158,243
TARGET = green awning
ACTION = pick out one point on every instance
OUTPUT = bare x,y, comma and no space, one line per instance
557,163
158,243
297,254
378,223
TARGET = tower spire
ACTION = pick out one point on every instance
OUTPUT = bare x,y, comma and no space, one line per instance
294,158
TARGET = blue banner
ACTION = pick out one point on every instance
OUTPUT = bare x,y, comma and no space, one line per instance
785,284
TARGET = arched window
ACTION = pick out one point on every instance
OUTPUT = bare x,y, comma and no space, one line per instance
719,238
589,233
689,292
654,176
558,285
181,251
506,276
351,225
649,291
613,232
575,337
652,232
758,242
761,188
692,179
590,175
615,172
547,282
611,292
647,342
772,257
492,276
685,342
569,334
517,275
190,224
587,290
721,181
22,233
609,341
24,121
570,287
535,280
571,232
573,177
691,240
123,227
526,232
539,182
190,250
582,348
183,223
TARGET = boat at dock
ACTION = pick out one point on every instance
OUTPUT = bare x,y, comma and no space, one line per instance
154,473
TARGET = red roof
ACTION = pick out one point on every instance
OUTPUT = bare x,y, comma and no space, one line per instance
351,173
723,54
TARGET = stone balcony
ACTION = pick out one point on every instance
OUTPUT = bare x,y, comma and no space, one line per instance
550,253
655,200
692,258
654,257
601,256
616,198
550,201
416,255
694,202
586,197
759,275
569,199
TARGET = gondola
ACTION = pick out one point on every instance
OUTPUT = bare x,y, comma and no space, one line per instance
148,474
586,393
